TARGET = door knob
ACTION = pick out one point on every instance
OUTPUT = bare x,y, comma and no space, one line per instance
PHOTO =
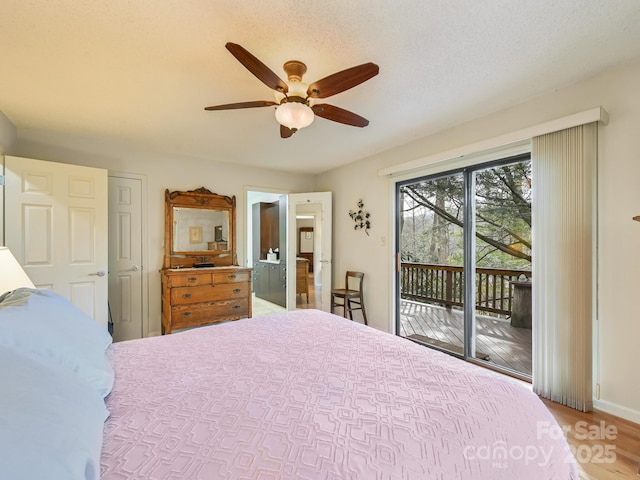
135,268
99,273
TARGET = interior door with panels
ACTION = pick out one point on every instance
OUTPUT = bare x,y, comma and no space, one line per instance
126,276
56,226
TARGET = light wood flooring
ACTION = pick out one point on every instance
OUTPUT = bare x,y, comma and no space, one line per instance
261,307
506,346
601,458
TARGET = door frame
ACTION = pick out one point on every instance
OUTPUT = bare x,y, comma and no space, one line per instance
246,217
145,242
468,172
325,199
291,236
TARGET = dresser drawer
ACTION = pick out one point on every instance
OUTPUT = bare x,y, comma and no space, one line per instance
190,279
196,297
209,293
231,277
191,315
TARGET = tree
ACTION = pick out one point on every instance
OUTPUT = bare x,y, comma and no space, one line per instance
503,218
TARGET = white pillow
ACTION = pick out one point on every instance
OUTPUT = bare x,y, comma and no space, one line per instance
51,421
46,324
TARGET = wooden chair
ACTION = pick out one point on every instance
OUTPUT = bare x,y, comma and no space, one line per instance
302,277
352,299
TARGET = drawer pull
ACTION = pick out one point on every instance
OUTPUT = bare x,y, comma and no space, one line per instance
193,279
186,295
232,276
186,314
236,307
236,290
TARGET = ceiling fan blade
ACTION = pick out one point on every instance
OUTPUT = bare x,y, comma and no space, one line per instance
286,132
233,106
339,115
341,81
259,69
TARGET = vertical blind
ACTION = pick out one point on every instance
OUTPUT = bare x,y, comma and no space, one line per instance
564,171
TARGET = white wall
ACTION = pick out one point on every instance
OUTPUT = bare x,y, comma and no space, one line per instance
8,135
174,173
618,328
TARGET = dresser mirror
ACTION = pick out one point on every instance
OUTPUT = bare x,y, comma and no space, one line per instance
200,229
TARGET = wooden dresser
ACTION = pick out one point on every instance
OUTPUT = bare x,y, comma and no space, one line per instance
199,296
201,280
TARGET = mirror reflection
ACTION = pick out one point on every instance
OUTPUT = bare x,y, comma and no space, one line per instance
200,230
306,240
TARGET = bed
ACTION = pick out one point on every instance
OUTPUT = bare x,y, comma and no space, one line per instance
301,395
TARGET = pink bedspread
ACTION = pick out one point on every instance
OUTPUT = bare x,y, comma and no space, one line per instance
309,395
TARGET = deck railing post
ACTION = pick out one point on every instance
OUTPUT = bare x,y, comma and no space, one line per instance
449,289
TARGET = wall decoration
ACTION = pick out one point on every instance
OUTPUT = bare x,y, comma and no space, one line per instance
361,218
195,234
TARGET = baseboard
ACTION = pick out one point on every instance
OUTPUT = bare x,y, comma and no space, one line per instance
153,334
617,410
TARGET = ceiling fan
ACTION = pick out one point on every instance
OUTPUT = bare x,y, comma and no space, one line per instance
294,99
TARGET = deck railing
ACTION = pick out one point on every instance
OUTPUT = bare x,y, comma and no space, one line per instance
443,284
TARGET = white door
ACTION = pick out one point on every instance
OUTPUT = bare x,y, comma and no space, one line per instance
125,257
319,202
56,226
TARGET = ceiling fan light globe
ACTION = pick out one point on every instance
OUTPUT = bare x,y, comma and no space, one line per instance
294,115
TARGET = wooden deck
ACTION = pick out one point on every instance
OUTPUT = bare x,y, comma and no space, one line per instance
496,339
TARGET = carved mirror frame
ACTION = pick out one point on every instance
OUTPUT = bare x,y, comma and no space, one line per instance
200,198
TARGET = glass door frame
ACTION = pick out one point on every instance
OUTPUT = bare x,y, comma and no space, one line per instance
469,253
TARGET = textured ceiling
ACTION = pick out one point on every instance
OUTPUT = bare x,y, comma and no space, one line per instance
135,75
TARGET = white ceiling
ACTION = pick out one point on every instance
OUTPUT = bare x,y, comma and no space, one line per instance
131,75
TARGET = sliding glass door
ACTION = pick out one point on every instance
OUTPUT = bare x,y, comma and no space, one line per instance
431,248
464,282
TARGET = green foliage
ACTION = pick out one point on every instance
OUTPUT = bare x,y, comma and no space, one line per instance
432,218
